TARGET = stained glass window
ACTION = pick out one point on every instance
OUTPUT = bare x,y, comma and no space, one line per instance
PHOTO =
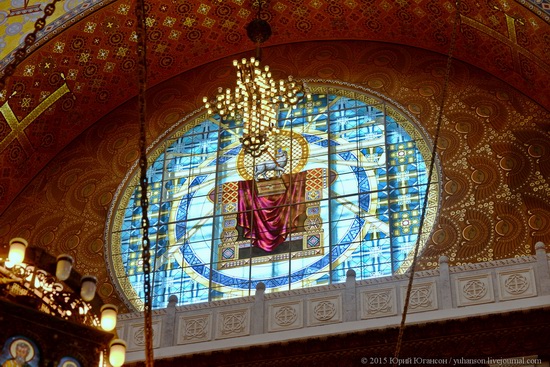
341,187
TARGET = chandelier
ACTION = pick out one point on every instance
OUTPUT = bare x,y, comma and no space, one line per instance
28,282
257,97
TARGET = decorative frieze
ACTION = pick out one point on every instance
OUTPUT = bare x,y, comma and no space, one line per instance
518,283
214,304
423,297
285,316
233,323
492,264
368,302
325,310
378,303
195,328
305,291
136,335
474,290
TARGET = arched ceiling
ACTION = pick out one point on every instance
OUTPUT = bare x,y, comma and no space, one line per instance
494,152
68,123
84,65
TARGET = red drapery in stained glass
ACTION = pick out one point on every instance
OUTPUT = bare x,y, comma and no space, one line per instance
268,219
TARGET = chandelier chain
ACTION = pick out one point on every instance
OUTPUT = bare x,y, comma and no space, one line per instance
144,202
439,120
30,39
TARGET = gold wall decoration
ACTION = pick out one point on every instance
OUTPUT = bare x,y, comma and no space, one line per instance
494,153
17,127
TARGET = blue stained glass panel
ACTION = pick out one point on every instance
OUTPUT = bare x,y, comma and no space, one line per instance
348,196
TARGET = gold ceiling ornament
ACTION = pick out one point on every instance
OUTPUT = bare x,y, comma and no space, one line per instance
30,39
257,97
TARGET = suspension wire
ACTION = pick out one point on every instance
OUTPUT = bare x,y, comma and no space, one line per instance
141,31
439,119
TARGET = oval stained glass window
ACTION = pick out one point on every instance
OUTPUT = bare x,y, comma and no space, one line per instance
341,187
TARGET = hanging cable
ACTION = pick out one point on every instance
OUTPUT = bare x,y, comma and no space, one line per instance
144,201
30,39
439,119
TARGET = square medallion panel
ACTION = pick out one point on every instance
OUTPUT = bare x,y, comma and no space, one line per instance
325,310
423,297
516,284
378,303
474,290
233,323
285,316
136,335
194,329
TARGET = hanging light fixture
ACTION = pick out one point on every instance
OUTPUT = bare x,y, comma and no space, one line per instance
117,352
16,255
88,287
31,276
64,267
108,317
257,96
26,280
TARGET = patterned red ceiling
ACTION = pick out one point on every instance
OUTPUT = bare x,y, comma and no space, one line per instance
85,70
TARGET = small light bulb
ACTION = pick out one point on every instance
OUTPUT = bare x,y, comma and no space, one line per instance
16,253
108,317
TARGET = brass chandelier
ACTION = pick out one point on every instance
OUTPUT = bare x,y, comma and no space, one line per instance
257,97
28,283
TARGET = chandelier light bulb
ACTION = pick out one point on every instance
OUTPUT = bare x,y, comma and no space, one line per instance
88,287
256,99
108,317
117,352
18,246
64,267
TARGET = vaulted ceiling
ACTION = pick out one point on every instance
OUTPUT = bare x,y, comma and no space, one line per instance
68,120
84,63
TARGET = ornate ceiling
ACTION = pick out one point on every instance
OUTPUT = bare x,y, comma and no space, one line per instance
84,64
68,135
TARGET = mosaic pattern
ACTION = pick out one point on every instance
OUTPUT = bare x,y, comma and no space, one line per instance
363,166
495,158
539,7
17,19
92,46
